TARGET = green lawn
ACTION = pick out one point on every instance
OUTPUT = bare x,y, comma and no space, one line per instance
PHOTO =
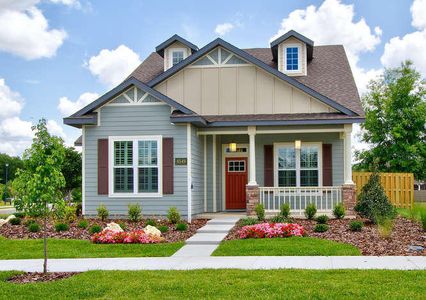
225,284
61,248
302,246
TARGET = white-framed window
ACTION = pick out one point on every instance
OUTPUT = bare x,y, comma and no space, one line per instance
292,61
135,166
176,56
297,168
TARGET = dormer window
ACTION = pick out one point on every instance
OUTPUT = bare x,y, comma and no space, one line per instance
291,61
177,56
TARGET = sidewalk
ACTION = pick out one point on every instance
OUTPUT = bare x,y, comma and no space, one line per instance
218,262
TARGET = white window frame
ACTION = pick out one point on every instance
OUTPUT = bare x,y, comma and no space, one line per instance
299,59
135,165
298,169
183,50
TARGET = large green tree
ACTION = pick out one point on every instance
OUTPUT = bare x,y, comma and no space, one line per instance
395,124
71,169
14,163
40,182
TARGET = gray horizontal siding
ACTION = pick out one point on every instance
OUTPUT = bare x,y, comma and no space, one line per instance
134,121
197,154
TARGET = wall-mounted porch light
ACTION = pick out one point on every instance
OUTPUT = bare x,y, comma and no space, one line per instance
297,144
232,147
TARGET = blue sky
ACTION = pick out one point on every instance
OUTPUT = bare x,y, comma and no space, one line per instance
52,48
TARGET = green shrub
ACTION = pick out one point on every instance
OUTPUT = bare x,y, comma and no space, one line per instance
373,203
339,211
61,227
135,212
323,219
310,211
15,221
423,219
285,210
278,219
78,209
150,222
76,195
260,212
29,222
163,228
248,221
34,227
95,229
321,228
181,227
83,224
19,214
122,225
103,212
173,215
385,227
356,225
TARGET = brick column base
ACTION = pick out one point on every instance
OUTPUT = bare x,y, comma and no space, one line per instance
252,199
349,199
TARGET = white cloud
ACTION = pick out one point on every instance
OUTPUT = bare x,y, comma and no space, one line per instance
10,102
418,12
68,107
410,46
333,23
224,28
25,32
70,3
55,129
112,66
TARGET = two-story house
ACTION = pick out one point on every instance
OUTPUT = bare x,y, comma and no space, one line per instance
222,128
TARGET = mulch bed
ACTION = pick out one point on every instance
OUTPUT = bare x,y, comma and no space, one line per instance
32,277
369,241
173,235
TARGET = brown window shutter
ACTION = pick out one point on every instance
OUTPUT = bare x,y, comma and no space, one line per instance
168,166
327,168
268,165
103,166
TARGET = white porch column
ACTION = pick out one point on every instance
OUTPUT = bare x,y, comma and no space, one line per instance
348,154
252,153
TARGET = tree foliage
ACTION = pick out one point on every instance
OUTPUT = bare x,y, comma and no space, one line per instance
71,169
395,124
41,180
14,163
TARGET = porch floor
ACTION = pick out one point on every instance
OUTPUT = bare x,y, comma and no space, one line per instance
222,214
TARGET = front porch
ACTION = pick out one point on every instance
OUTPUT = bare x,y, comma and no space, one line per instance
276,165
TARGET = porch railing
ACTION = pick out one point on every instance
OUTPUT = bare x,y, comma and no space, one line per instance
325,198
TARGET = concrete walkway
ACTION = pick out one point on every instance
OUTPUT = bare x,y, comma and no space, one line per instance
225,262
207,238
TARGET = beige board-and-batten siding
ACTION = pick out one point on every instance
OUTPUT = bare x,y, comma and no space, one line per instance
399,187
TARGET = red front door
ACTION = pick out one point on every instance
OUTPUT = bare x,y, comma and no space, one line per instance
236,180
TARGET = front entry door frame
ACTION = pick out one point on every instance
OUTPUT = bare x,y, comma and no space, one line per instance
223,162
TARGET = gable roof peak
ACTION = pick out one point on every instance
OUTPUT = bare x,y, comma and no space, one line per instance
175,38
291,33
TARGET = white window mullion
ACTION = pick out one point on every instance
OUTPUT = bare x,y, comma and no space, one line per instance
298,168
135,166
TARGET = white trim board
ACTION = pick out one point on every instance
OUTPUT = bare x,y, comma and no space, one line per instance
189,169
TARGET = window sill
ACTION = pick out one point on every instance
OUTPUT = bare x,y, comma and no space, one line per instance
129,195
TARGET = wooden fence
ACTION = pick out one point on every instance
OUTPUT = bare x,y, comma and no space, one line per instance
399,187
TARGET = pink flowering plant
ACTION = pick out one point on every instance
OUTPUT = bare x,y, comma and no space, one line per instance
133,237
271,230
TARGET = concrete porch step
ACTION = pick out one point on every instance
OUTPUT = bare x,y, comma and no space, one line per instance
206,239
215,228
223,221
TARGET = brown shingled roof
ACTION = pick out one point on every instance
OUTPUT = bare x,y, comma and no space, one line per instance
328,73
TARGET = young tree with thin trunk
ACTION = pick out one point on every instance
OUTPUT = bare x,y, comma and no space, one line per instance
39,183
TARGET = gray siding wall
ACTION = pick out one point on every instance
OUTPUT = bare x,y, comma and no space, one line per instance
261,140
133,121
197,150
